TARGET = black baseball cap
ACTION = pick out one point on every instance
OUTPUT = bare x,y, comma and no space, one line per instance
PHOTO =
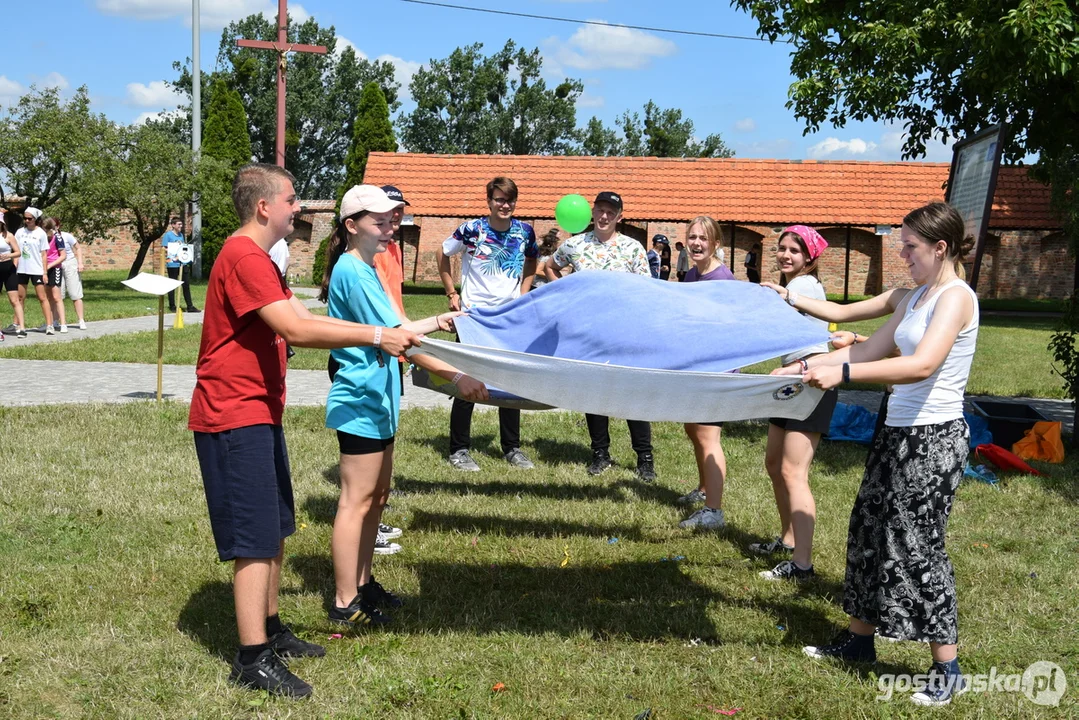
394,194
611,198
660,239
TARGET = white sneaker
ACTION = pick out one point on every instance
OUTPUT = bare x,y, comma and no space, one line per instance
704,519
49,330
63,328
82,324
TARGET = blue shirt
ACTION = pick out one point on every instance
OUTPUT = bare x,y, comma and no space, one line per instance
493,260
365,397
171,237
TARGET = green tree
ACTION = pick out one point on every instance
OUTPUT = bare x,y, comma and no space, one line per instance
46,144
665,133
946,68
599,140
493,105
225,139
371,132
145,176
323,95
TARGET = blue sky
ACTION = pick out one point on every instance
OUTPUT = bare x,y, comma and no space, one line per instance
122,50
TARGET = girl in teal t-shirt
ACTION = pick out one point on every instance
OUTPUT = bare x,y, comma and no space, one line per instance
364,400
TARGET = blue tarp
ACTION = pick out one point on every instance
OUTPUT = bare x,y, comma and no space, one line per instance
633,321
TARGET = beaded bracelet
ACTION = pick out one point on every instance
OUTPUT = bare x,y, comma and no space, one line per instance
378,336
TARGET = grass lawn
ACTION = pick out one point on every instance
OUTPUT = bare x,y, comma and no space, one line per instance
115,606
1012,357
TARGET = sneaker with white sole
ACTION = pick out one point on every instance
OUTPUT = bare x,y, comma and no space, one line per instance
845,646
776,546
518,459
389,532
82,324
787,570
10,329
268,673
384,547
49,330
462,460
692,497
63,328
704,519
944,682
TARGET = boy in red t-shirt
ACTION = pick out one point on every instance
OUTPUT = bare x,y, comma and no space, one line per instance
236,414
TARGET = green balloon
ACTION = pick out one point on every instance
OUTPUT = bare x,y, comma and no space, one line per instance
573,213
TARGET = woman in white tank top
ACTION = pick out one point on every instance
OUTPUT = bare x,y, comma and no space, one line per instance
899,581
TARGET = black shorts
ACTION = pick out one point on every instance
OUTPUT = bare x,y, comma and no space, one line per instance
715,424
31,279
819,420
9,279
54,276
245,474
355,445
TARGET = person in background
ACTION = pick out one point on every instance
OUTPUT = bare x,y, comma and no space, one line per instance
54,273
177,269
683,261
547,245
73,268
752,263
33,246
280,255
654,255
9,279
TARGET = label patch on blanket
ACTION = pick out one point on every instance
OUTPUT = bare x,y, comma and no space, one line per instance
788,392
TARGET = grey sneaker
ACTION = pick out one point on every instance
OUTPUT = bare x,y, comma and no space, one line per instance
518,459
10,329
704,519
692,497
771,548
462,460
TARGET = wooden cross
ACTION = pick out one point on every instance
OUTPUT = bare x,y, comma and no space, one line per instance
281,47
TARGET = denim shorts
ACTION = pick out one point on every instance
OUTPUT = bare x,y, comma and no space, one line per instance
248,486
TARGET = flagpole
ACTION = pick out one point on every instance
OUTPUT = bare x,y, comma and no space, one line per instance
196,138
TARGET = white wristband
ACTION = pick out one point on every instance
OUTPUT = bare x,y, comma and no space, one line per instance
457,377
792,298
378,336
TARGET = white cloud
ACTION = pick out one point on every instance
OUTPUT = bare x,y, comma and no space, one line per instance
157,94
403,70
10,91
832,146
158,115
778,148
603,47
746,125
892,139
343,42
54,80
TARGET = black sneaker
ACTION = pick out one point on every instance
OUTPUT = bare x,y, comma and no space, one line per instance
10,329
192,309
601,460
646,467
845,646
20,333
287,645
771,548
374,593
358,612
268,673
787,570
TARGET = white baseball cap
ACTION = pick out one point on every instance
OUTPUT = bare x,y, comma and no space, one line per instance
367,197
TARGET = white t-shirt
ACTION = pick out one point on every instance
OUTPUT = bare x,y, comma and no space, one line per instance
32,243
938,398
70,241
280,256
810,287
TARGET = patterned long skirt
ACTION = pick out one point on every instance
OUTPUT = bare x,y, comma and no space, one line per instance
899,577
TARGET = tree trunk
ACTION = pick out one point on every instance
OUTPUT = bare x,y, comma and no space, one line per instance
140,257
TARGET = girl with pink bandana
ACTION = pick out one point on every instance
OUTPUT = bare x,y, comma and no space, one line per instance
792,443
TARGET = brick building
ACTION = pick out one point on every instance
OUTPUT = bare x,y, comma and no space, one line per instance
855,204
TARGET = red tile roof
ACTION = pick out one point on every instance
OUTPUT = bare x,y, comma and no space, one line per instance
749,191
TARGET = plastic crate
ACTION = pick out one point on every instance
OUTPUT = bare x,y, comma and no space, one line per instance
1008,421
